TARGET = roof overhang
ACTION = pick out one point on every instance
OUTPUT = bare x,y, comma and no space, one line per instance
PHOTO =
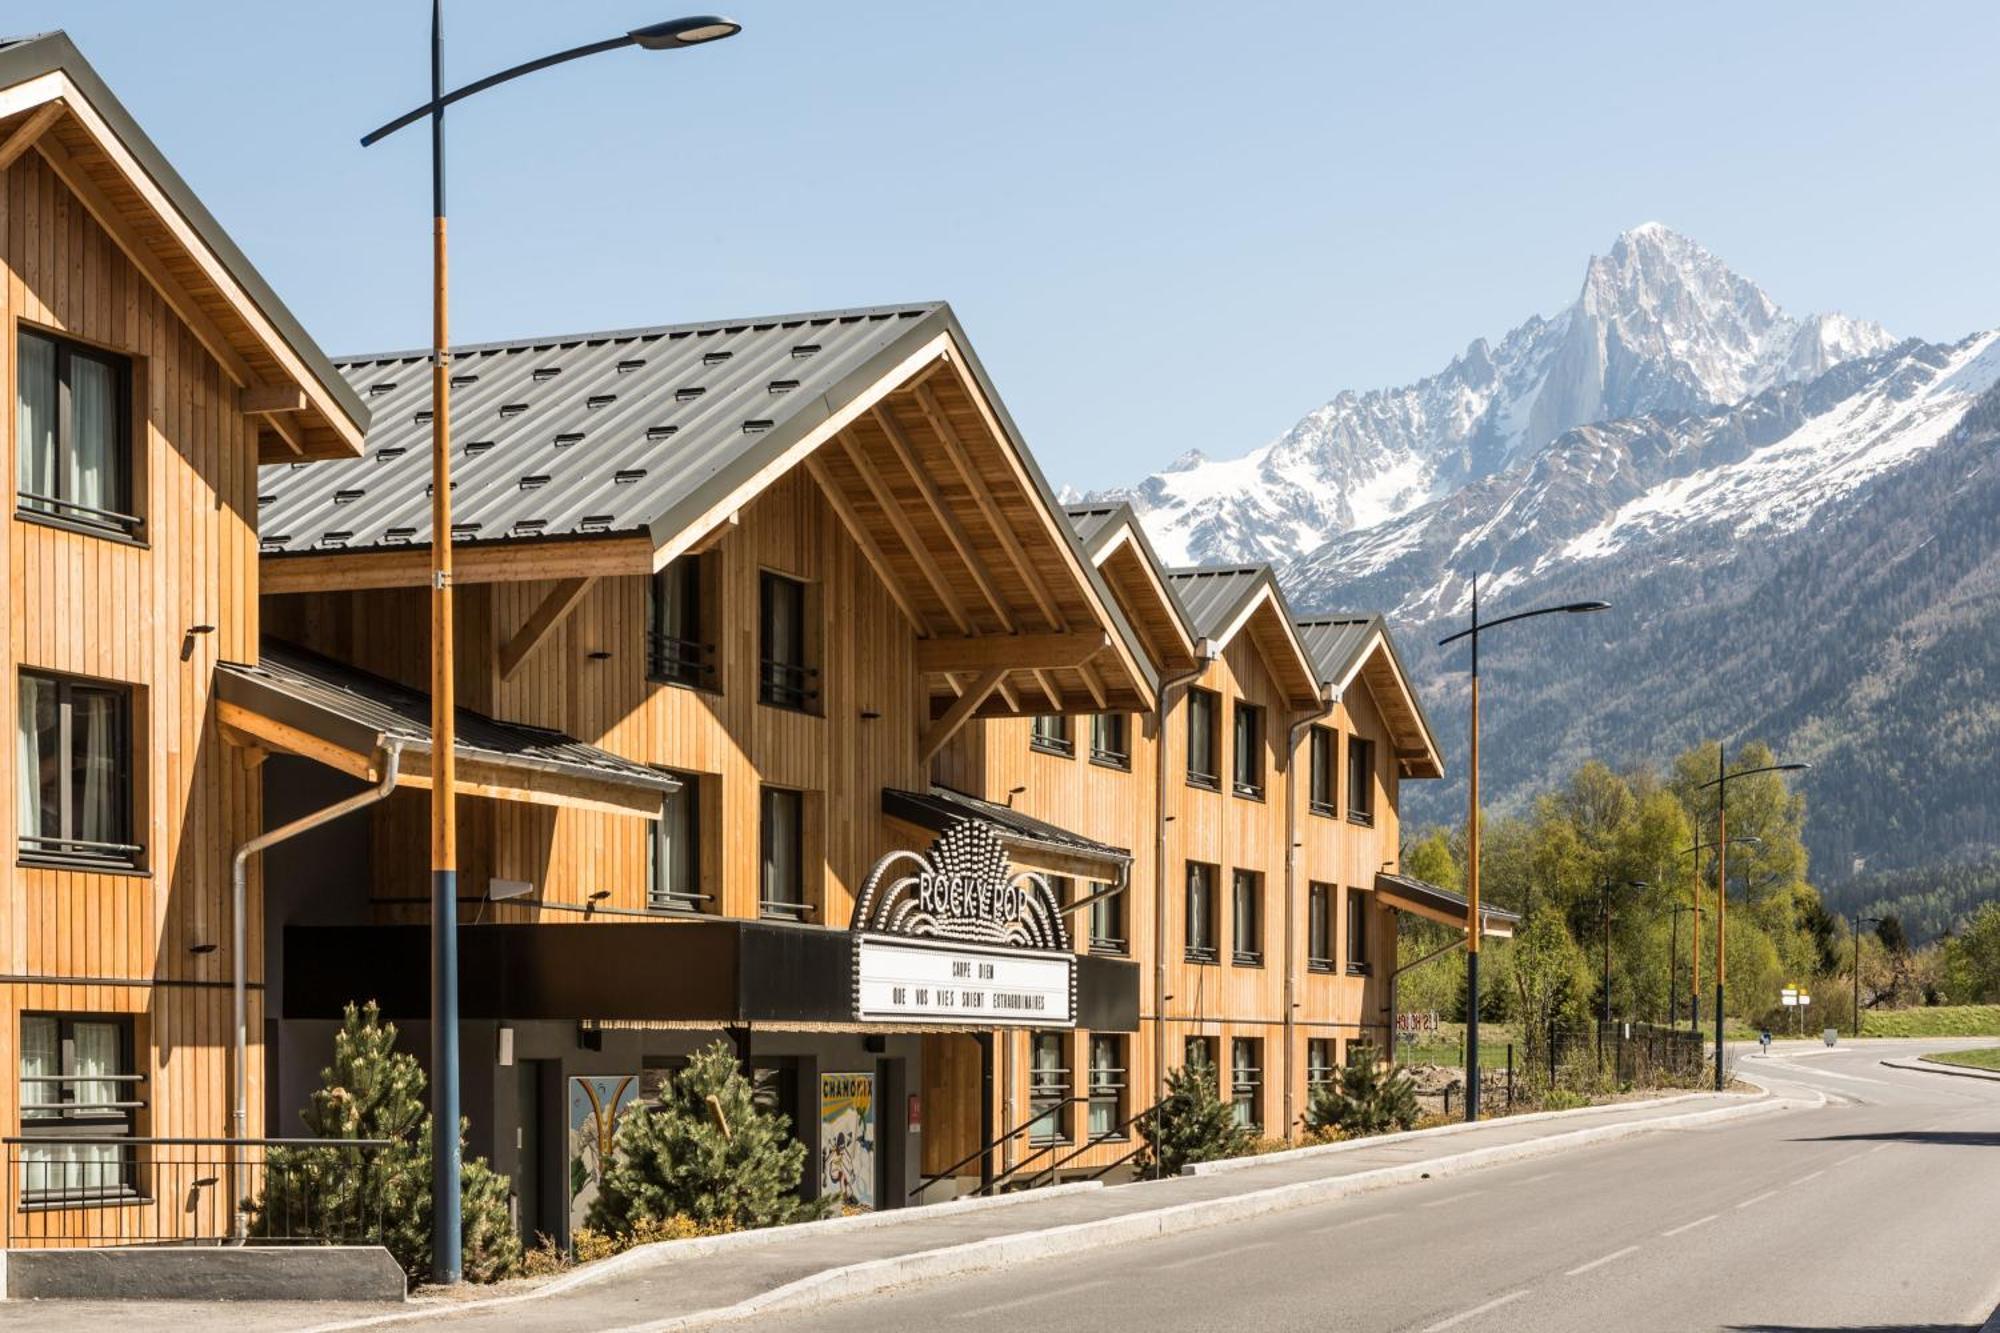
345,719
1033,844
1118,547
1380,668
1432,903
53,104
1261,613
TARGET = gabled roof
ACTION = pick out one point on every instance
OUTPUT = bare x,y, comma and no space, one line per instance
626,431
1224,600
1344,646
299,701
49,91
1116,543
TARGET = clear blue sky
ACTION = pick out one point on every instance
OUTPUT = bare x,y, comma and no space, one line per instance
1165,226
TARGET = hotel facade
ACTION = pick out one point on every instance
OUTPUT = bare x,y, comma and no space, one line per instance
796,713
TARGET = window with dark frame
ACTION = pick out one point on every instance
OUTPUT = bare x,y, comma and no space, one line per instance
1200,912
73,433
786,679
1360,780
78,1078
1247,762
1246,1081
673,879
75,773
1048,1088
781,890
1202,739
1319,927
1320,1062
680,637
1321,749
1049,733
1107,1086
1111,740
1357,933
1107,920
1246,912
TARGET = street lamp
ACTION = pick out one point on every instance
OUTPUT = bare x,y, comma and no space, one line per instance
1859,922
1721,784
1473,924
1673,965
445,1156
1604,909
1694,937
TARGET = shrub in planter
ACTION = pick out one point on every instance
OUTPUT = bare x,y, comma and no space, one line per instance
1367,1097
1193,1124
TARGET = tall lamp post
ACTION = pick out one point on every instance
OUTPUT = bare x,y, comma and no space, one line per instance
445,1163
1721,782
1694,936
1859,922
1473,922
1673,959
1604,910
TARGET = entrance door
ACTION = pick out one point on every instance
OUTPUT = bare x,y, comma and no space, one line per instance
536,1082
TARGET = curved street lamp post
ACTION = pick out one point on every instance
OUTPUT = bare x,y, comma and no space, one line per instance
1473,921
446,1259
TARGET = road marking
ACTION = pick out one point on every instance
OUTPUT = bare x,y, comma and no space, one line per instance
989,1307
1854,1157
1476,1311
1439,1203
1599,1263
1690,1226
1880,1146
1810,1175
1350,1222
1214,1254
1546,1175
1853,1078
1759,1198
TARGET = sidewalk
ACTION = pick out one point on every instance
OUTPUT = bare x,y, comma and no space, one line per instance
697,1283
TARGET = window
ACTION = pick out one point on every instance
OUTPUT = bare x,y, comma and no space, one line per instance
1049,733
1248,763
1246,893
1200,912
1048,1088
1107,1086
1357,933
1111,740
1200,1052
785,680
782,889
1360,780
1320,798
1201,714
673,879
1246,1081
75,772
1320,1065
77,1080
1319,927
1107,920
680,641
73,433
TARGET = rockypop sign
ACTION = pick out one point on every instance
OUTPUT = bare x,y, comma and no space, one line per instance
959,936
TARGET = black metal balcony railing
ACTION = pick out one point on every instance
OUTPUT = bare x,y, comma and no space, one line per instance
81,851
787,684
1109,757
111,519
681,661
105,1189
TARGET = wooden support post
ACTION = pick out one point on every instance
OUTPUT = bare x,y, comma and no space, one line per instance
29,131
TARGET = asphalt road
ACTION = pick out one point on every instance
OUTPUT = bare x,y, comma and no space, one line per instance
1877,1211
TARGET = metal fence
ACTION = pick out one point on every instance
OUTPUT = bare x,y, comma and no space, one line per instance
1647,1055
83,1190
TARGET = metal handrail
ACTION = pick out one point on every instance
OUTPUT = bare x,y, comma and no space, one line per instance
1114,1135
988,1146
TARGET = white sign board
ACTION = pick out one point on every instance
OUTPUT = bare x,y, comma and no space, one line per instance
897,980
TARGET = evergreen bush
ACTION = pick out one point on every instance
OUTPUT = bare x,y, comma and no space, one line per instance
1368,1096
1193,1124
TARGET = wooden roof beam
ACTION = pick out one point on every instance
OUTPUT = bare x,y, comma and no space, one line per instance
541,623
410,566
870,551
907,531
1011,651
30,131
940,509
960,712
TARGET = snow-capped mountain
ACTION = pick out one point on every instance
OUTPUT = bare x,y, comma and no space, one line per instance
1659,325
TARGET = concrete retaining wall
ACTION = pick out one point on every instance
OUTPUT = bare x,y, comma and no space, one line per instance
203,1273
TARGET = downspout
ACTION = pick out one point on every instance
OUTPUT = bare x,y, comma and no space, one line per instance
390,758
1329,700
1204,655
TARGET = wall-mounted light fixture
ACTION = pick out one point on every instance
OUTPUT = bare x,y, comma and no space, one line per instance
188,637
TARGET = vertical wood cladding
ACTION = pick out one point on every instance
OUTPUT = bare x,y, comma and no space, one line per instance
95,942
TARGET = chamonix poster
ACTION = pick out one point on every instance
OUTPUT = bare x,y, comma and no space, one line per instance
847,1138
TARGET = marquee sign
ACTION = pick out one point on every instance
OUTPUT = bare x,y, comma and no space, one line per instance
960,936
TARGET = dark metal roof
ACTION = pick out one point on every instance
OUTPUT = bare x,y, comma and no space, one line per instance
1095,525
24,58
940,807
1212,597
1444,902
624,431
1337,642
358,711
1092,523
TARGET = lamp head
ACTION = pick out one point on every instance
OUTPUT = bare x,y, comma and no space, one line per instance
693,30
1578,608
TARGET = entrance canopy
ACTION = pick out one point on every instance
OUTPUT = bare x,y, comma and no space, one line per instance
1440,905
1031,842
297,702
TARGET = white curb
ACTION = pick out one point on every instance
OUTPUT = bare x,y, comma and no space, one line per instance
1923,1066
1023,1247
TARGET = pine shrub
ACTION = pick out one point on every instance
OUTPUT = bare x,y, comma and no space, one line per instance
1367,1097
1193,1124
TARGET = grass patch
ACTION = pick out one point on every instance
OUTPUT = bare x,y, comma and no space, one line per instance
1987,1058
1949,1020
